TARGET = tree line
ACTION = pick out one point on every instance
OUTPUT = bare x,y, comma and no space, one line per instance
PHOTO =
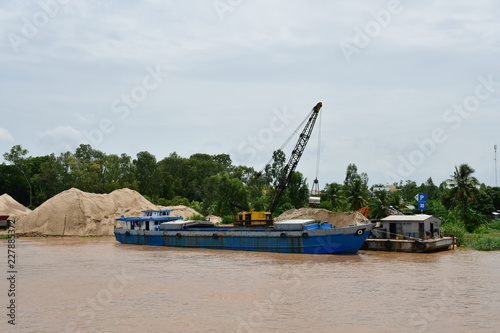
210,183
461,198
207,183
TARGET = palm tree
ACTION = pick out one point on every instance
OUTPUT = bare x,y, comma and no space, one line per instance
332,193
356,194
464,186
380,204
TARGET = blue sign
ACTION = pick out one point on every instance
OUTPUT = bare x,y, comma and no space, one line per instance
422,198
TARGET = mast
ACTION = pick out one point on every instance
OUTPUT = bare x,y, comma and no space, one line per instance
496,174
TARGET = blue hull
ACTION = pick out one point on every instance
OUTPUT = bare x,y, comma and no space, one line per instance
339,240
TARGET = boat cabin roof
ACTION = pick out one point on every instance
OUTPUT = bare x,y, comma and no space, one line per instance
156,211
409,218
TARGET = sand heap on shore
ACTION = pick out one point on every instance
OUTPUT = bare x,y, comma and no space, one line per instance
338,219
9,206
183,211
77,213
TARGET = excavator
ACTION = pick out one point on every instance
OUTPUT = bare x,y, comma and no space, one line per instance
364,210
249,218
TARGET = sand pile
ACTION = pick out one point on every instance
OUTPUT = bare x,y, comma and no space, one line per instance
338,219
9,206
77,213
214,219
183,211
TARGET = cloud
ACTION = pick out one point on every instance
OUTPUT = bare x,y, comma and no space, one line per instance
5,135
227,76
62,138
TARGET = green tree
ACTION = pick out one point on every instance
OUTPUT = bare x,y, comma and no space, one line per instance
47,182
357,194
13,183
17,156
220,190
274,171
494,193
379,204
463,186
351,175
145,166
430,189
333,194
408,190
296,194
484,202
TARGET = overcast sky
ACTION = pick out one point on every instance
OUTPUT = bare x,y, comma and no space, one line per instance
409,88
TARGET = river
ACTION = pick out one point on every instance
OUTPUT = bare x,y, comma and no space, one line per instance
99,285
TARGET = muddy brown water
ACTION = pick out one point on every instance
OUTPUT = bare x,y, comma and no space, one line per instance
99,285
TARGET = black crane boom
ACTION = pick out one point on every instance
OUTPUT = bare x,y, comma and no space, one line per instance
291,165
256,219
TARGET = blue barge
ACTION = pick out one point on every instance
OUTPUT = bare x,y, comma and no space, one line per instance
289,236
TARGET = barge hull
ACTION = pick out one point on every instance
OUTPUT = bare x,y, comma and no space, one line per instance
339,240
411,246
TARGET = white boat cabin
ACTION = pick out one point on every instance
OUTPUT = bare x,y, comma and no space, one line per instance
420,226
150,220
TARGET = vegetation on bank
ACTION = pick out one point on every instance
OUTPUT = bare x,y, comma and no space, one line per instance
210,183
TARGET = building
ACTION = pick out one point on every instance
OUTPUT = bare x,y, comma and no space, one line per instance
421,226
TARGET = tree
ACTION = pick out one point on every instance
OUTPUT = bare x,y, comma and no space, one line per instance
396,200
463,186
145,166
13,183
379,204
220,190
351,175
409,190
17,157
47,182
297,192
430,189
333,194
357,194
274,171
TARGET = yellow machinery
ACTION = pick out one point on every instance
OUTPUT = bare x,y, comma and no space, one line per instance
256,219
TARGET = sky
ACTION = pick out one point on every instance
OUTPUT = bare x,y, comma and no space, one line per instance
410,89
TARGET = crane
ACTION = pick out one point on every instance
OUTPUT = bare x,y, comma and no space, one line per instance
251,218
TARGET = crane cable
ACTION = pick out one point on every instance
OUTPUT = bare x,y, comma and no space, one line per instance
295,132
315,185
319,145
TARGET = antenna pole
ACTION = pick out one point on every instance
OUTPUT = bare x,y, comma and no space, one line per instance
496,177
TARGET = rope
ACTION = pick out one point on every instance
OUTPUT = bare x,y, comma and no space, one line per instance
390,233
319,145
295,132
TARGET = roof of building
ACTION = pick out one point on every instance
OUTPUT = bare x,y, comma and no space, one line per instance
408,218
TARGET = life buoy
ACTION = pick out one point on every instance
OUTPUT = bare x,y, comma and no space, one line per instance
215,236
388,244
359,232
305,235
283,235
177,235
